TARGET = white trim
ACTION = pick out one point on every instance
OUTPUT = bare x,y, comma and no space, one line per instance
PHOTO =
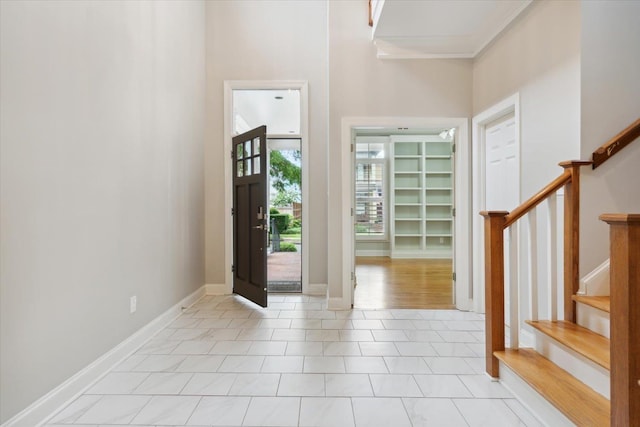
366,253
462,199
596,282
317,289
479,122
303,87
57,399
216,289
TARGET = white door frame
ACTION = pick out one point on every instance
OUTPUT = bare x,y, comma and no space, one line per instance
479,123
462,202
229,87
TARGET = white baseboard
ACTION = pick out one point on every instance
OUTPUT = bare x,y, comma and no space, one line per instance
338,303
217,289
316,289
48,405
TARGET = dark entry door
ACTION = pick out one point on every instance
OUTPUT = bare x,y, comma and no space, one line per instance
250,215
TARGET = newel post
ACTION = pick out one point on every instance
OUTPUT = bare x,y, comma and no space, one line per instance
572,236
494,286
624,236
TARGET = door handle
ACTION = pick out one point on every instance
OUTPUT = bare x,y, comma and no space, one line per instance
258,227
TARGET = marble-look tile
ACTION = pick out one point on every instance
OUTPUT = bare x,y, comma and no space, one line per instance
292,314
378,349
283,364
421,335
167,410
485,387
442,386
389,335
380,412
163,383
355,335
323,335
406,365
158,346
333,348
255,335
348,385
223,334
118,383
273,411
306,324
289,335
184,322
265,314
231,347
200,364
320,315
114,410
452,350
406,314
255,385
457,336
306,348
189,334
365,365
220,411
129,363
477,364
433,412
465,325
487,413
301,385
275,324
209,384
415,349
326,412
350,314
236,314
268,348
394,385
344,324
323,364
449,365
242,364
214,323
394,324
283,305
367,324
244,323
194,347
75,410
160,363
377,314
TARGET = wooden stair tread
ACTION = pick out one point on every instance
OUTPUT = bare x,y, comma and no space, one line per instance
574,399
601,303
593,346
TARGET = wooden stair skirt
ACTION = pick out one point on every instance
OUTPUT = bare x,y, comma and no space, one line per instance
578,402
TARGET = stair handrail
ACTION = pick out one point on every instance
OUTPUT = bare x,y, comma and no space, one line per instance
615,144
498,221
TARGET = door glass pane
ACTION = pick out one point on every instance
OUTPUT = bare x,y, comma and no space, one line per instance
247,172
247,148
239,150
256,146
240,165
256,165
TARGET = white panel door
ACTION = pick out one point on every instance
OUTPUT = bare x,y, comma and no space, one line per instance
502,165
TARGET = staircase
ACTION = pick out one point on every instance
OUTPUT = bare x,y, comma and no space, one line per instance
580,364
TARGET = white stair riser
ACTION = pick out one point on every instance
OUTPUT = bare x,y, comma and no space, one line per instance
593,319
544,411
577,365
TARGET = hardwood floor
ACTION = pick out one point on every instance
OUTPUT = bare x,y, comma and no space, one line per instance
403,283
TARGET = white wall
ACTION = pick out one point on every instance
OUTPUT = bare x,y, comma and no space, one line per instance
101,142
610,102
362,85
539,57
266,40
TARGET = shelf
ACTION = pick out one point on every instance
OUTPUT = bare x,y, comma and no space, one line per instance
438,235
435,219
437,172
438,188
408,219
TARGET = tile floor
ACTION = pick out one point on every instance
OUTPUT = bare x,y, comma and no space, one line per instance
227,362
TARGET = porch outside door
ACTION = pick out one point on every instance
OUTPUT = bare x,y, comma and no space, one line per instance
250,215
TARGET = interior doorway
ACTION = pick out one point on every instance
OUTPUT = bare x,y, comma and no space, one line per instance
404,217
282,107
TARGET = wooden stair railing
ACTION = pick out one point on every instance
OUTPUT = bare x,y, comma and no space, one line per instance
615,144
624,231
495,224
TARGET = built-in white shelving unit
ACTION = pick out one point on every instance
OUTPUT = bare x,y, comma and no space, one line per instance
421,197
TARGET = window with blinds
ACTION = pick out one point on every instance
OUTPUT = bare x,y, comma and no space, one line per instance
371,192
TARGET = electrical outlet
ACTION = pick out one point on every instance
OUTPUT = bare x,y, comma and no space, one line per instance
133,304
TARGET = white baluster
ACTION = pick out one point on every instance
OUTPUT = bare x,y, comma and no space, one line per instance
514,318
552,257
533,264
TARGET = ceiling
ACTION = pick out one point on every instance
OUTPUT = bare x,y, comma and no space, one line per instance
406,29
